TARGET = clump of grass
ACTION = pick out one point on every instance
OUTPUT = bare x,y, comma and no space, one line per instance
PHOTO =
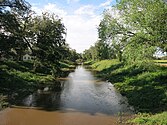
31,77
66,65
147,119
89,62
104,64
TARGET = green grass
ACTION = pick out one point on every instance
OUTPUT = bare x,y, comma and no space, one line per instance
66,65
146,119
89,62
160,61
19,78
145,86
104,64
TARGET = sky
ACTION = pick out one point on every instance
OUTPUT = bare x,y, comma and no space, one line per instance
80,17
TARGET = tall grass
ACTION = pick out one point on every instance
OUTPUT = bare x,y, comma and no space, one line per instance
145,86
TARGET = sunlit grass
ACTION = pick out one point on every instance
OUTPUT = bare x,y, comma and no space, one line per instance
146,119
160,61
144,86
104,64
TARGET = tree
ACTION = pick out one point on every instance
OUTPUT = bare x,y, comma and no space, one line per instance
110,35
13,17
139,27
148,20
49,34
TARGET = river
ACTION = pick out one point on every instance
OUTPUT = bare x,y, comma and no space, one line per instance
79,99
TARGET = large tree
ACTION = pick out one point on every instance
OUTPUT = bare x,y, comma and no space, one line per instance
13,17
111,34
148,20
49,40
137,29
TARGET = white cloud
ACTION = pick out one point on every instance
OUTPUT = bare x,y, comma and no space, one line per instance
50,7
81,31
54,9
106,4
86,10
72,1
36,9
81,25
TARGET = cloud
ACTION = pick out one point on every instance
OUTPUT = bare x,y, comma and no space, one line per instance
72,1
54,9
81,31
51,8
106,4
86,10
81,24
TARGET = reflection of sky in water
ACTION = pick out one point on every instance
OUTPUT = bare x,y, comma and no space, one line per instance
82,92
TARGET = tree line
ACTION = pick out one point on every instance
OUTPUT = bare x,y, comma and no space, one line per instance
22,31
133,34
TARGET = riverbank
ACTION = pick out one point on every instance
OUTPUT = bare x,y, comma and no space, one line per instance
144,86
19,78
82,97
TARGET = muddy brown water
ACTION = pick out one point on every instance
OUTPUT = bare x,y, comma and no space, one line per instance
80,99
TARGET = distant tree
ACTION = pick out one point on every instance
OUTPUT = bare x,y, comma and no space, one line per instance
87,55
102,50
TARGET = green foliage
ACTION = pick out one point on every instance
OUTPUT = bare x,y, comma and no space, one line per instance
146,119
71,55
136,53
104,64
135,32
110,44
19,79
90,54
21,31
22,70
14,16
3,102
34,78
66,65
49,33
89,62
147,18
145,87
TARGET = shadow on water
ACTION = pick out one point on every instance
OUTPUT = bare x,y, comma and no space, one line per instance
45,97
80,91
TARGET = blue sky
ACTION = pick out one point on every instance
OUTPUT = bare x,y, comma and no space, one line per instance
80,17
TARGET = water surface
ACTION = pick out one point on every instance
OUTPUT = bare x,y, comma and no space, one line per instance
79,98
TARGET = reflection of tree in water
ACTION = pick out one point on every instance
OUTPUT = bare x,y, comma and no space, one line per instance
50,98
45,96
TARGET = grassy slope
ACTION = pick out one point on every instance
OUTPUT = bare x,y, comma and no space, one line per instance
145,87
19,77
